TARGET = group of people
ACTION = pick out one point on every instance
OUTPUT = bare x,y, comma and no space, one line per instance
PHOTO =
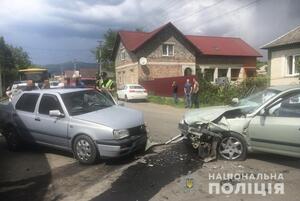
191,93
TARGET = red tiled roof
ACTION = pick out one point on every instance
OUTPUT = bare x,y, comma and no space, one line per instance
207,45
134,39
210,45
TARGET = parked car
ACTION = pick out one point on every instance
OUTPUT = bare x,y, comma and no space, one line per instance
17,87
82,121
267,121
54,84
132,92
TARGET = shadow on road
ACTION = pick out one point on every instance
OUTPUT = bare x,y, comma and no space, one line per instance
143,180
277,159
24,175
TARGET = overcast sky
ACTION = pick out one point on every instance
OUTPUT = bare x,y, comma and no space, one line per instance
55,31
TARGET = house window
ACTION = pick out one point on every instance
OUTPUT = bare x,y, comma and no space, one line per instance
209,75
293,64
235,74
222,73
168,50
123,54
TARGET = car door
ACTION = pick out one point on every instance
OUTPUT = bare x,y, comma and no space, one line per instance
25,116
278,129
51,130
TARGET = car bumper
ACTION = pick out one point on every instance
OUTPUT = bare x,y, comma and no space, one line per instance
137,96
118,148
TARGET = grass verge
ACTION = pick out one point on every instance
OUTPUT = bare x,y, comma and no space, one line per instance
170,101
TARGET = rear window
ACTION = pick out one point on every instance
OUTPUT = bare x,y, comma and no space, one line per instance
27,102
136,87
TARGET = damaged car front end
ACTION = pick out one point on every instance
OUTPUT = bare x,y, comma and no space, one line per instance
222,130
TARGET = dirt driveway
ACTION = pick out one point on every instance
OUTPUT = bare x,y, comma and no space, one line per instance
171,172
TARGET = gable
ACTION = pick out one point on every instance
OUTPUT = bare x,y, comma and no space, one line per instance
224,46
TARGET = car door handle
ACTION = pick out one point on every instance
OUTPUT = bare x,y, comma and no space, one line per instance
37,119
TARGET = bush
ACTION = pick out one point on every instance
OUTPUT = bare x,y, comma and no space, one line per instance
212,94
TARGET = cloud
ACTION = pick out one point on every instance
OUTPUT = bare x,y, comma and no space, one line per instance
67,25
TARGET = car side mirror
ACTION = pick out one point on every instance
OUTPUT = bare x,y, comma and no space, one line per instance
235,100
55,113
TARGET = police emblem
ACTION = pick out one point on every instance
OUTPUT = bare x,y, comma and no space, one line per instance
189,183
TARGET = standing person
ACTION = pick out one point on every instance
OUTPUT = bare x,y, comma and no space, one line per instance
46,84
105,85
187,94
195,93
175,91
79,83
30,86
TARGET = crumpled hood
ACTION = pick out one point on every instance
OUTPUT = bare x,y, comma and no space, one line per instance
206,114
116,117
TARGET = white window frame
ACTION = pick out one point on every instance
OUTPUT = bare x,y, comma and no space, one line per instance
168,52
293,66
122,54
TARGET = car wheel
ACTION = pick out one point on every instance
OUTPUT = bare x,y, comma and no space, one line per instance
232,147
13,139
85,150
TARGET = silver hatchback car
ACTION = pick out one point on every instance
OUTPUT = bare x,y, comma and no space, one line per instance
84,121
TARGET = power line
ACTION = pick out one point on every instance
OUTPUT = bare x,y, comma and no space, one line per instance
198,11
229,12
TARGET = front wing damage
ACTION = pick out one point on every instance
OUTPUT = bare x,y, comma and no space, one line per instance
205,137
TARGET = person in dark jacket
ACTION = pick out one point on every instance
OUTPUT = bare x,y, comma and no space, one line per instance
175,91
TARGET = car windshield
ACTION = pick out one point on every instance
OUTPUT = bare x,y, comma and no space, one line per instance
136,87
86,101
257,99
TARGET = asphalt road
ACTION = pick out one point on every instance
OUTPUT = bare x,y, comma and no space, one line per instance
39,173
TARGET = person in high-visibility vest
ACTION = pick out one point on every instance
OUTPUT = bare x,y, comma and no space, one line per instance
105,85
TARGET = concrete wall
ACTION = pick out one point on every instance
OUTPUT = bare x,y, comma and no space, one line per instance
278,64
129,56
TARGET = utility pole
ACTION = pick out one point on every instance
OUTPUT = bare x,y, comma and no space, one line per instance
74,64
99,59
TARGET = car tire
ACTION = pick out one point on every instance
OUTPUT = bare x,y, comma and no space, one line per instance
232,147
13,139
85,150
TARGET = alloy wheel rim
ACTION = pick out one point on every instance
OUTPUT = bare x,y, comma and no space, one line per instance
231,148
83,149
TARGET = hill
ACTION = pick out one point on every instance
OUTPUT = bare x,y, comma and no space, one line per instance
59,68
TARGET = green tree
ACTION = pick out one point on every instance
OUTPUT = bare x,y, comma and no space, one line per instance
21,57
6,64
106,50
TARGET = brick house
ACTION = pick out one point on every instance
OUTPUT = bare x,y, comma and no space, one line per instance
169,53
284,58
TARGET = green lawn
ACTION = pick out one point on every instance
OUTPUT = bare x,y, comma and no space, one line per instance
170,101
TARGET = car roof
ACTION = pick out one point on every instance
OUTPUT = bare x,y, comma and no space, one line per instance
59,91
285,87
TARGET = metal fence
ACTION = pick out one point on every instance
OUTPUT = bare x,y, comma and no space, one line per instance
163,86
